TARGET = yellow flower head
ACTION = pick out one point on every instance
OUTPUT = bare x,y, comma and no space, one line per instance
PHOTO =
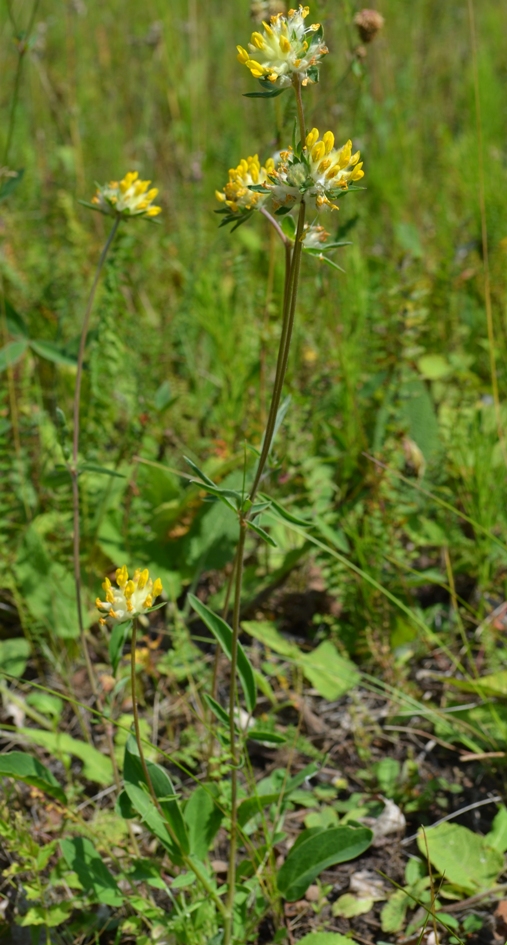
129,197
318,174
285,48
132,596
237,194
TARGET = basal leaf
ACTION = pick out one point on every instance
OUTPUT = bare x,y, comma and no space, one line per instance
26,768
203,819
11,353
316,851
93,874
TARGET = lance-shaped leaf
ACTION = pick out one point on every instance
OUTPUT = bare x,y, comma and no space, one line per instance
24,767
314,851
93,874
176,837
223,633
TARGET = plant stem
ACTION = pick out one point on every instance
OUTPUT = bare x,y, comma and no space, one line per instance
231,876
22,48
73,467
189,862
292,269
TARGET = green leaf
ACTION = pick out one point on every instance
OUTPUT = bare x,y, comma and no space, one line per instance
16,324
9,185
203,819
218,711
497,837
26,768
93,874
393,913
284,514
96,767
11,353
135,780
223,633
463,856
48,916
331,674
325,938
254,805
434,367
52,352
266,633
117,642
266,735
314,852
14,655
199,472
262,534
348,906
102,470
163,397
272,94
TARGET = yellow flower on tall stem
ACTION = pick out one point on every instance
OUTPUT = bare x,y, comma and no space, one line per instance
130,598
285,50
129,197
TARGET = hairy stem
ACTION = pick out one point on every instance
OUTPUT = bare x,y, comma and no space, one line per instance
73,466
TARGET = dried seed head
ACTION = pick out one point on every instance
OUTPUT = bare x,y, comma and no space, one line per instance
262,9
368,23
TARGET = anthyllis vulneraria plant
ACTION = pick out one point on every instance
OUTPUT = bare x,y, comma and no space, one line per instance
124,200
309,175
132,597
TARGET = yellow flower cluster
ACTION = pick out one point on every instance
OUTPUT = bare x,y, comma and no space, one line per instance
249,173
128,197
286,48
318,174
132,596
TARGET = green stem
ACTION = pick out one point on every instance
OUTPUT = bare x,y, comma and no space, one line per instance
231,877
73,466
22,47
189,862
292,270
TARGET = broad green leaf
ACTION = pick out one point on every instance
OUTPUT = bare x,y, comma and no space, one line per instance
462,856
96,767
497,837
150,816
48,916
348,906
52,352
26,768
203,819
253,805
494,684
14,655
223,633
393,913
11,353
434,367
314,852
117,642
331,674
134,776
325,938
93,874
266,633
